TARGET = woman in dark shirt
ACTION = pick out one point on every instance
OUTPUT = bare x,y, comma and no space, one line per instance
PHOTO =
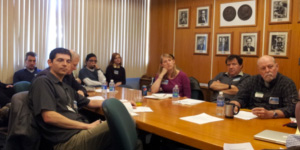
115,70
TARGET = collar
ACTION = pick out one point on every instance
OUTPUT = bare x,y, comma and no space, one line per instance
53,78
31,70
240,74
92,70
116,66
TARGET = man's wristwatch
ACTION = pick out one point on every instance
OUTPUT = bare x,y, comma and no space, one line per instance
229,86
275,115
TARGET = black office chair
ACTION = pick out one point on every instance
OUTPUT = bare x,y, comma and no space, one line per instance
121,125
196,92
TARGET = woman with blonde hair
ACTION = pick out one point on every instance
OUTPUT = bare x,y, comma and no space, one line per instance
115,70
169,76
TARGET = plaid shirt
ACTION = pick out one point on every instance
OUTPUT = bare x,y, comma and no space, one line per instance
253,93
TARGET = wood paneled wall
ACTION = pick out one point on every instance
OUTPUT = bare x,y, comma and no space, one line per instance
165,37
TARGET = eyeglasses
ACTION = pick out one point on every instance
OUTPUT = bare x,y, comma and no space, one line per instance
93,61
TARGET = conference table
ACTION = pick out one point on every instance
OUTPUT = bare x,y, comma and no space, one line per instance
165,121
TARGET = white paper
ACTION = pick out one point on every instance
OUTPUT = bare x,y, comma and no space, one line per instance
142,109
129,108
98,90
96,98
240,146
159,96
189,102
245,115
201,118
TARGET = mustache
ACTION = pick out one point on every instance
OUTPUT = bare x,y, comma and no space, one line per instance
268,74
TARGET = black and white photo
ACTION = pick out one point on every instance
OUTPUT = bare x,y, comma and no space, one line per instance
249,44
278,43
183,18
201,43
224,44
202,16
280,11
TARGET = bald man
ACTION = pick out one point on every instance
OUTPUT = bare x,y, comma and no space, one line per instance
69,78
269,94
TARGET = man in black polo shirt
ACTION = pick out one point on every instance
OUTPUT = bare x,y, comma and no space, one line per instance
269,94
228,82
30,71
55,110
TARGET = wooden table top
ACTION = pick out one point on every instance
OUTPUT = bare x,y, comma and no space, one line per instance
165,121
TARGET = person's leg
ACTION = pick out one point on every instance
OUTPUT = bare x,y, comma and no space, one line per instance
92,139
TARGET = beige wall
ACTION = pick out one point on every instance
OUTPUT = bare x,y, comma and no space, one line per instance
166,38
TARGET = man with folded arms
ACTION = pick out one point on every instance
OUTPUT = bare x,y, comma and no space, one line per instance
228,82
91,74
55,111
269,94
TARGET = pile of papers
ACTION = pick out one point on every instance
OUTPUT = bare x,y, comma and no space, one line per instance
201,118
189,102
159,96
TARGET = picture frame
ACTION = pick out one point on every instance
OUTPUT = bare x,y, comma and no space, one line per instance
236,14
224,45
203,16
201,43
249,43
279,43
183,18
280,11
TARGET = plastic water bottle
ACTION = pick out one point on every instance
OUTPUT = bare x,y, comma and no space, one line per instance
111,85
220,104
175,93
104,89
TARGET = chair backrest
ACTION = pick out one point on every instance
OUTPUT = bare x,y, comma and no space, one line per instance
22,129
196,92
21,86
121,125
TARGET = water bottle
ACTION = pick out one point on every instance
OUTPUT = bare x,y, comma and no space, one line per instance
111,85
104,89
220,104
175,93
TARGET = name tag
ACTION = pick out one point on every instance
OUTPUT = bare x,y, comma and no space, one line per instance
259,94
236,79
165,82
71,109
274,100
116,72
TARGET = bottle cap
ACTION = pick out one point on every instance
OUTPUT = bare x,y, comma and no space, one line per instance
221,92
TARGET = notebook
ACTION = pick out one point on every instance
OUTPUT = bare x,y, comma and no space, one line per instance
272,136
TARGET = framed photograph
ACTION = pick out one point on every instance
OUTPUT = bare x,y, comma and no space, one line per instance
249,44
201,43
223,44
280,11
238,14
183,18
203,16
278,44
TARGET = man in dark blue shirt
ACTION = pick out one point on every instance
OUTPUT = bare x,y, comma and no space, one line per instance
30,71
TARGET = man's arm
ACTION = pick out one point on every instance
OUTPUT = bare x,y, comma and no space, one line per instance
101,77
233,91
261,112
56,119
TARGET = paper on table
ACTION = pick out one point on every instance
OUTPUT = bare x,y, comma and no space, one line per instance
240,146
142,109
98,90
245,115
96,98
129,108
189,101
159,96
201,118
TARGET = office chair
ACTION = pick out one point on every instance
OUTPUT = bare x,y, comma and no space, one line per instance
121,125
21,86
196,92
